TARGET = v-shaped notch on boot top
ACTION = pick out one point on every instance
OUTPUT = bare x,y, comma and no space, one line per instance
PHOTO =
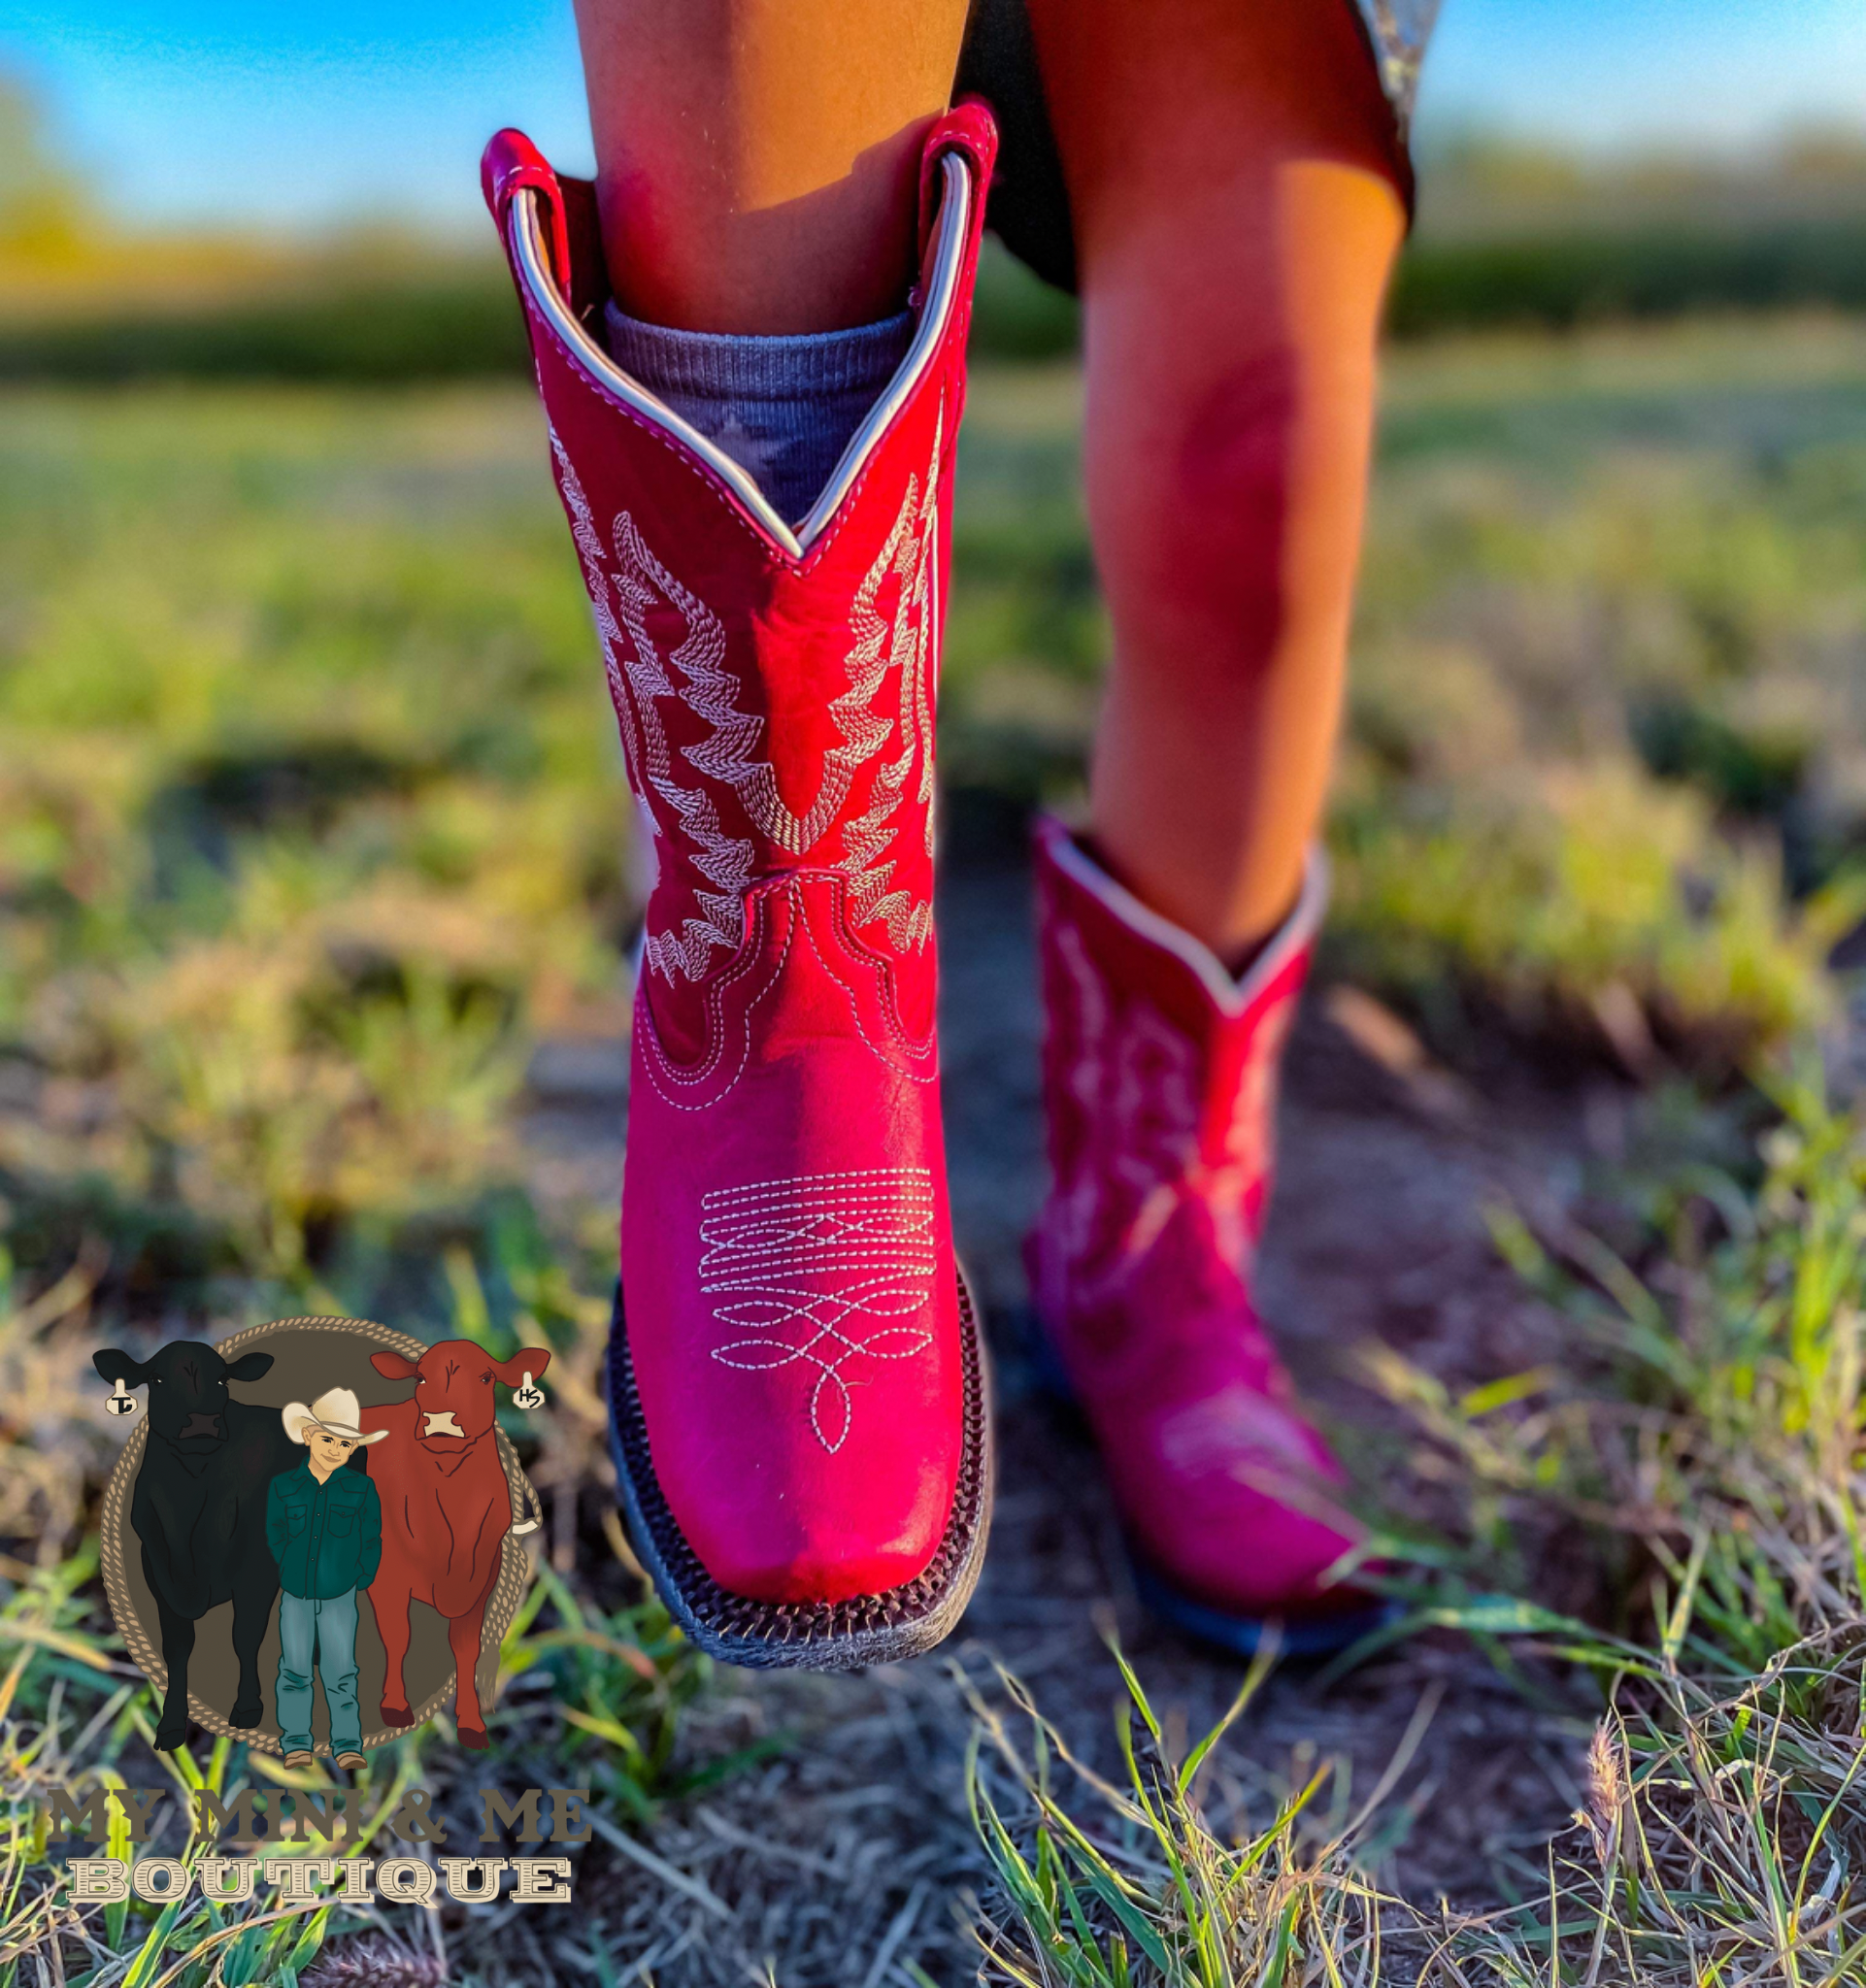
548,223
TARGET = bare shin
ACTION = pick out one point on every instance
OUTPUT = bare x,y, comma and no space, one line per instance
756,158
1235,188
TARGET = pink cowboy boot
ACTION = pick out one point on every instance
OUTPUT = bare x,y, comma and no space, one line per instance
796,1390
1159,1092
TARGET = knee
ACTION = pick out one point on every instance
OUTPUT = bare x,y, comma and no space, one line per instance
1231,350
1226,471
1191,499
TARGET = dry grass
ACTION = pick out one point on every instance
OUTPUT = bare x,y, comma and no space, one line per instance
311,832
1711,1447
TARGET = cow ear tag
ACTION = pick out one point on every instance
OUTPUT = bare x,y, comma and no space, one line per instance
120,1402
528,1394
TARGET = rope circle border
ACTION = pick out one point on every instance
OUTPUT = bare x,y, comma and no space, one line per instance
514,1563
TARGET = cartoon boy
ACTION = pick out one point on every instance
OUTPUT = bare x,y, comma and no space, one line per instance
324,1526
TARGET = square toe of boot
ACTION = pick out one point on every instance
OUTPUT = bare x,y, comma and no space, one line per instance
799,1576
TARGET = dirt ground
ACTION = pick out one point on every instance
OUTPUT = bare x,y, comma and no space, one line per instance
845,1859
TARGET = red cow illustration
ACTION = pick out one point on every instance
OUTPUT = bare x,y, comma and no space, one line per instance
446,1510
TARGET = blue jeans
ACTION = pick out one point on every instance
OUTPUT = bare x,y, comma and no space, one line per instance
320,1636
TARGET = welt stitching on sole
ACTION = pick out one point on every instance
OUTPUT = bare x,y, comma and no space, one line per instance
867,1629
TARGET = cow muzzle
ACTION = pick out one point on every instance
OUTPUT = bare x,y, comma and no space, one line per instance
441,1422
199,1424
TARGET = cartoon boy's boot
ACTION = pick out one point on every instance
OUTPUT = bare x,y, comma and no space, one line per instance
795,1379
1159,1092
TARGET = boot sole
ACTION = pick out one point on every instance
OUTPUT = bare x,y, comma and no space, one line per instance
807,1636
1239,1636
1243,1636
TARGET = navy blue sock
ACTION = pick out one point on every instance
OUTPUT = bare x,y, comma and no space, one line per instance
783,408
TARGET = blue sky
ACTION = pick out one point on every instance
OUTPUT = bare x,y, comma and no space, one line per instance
211,110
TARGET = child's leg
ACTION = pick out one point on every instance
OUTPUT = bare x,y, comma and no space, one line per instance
756,158
1234,184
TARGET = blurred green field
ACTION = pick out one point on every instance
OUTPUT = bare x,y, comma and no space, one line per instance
311,823
312,827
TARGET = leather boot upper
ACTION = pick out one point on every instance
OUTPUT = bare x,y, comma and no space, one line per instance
786,1260
1159,1090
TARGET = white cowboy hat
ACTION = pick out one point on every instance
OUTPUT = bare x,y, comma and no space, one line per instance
336,1412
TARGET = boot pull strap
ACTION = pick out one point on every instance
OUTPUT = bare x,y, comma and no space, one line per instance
970,129
511,161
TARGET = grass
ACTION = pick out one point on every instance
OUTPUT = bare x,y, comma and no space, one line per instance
1606,690
307,820
1716,1437
595,1683
1147,1891
311,831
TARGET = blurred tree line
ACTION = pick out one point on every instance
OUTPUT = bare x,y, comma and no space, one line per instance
46,214
1510,234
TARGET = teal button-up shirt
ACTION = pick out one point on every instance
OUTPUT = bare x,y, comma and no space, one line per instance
327,1537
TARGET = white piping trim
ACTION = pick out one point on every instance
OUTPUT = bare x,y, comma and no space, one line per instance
949,252
1231,995
525,231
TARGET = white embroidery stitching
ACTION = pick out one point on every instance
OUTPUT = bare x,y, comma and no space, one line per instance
638,676
912,554
659,1065
803,1262
1137,1081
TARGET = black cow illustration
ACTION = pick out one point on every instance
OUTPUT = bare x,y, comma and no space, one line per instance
200,1511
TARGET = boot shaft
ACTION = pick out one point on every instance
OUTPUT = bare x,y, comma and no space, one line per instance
775,685
1159,1079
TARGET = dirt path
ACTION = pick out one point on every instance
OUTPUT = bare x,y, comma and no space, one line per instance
842,1860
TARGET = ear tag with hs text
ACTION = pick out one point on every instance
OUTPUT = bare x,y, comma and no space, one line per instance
528,1394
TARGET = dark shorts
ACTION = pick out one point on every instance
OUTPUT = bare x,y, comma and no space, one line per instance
1029,208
